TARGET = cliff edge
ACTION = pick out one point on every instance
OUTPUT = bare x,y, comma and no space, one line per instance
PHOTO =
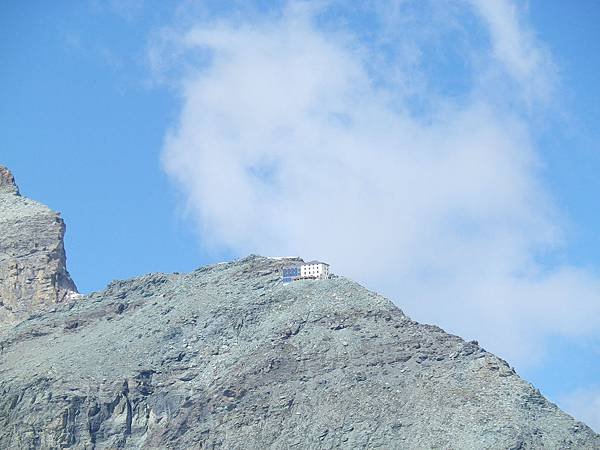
33,272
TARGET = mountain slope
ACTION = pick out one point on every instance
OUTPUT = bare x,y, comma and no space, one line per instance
229,357
33,272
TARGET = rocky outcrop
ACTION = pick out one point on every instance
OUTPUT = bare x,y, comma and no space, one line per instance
33,273
229,357
7,182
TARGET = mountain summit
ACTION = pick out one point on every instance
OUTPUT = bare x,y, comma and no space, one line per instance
7,182
230,357
33,272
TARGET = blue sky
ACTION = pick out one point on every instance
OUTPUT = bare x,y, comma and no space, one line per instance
108,110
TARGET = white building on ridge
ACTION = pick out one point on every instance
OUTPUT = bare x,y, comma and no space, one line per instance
314,269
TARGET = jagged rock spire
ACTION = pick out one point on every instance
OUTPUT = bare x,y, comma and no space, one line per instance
7,182
33,271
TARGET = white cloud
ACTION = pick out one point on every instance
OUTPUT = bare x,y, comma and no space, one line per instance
286,144
585,405
516,48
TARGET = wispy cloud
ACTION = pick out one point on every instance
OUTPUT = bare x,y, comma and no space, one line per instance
297,136
517,50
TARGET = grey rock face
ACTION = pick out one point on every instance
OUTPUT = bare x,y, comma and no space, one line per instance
229,357
7,182
33,272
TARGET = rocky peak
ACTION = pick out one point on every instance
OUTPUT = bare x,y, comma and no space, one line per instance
229,357
33,272
7,182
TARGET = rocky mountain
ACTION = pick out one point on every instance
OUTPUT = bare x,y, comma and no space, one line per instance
229,357
33,273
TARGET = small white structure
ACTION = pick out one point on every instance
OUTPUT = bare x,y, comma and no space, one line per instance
314,269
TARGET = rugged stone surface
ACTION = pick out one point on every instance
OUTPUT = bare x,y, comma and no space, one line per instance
7,182
33,271
229,357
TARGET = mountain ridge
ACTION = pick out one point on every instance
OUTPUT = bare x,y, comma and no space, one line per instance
228,356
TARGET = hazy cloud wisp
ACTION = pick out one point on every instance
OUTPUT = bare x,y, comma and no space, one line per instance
285,144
